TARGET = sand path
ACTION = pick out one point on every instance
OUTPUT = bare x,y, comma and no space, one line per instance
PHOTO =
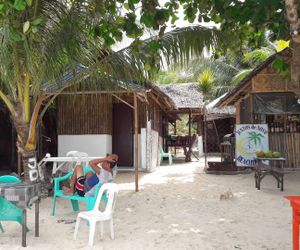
177,207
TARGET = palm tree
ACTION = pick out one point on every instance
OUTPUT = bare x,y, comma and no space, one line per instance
216,76
39,39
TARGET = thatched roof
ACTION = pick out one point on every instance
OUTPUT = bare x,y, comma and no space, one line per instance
184,95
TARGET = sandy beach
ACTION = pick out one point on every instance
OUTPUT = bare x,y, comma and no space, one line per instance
177,207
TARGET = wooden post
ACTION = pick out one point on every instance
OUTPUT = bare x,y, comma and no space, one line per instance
205,138
19,164
175,133
190,118
188,152
136,141
251,109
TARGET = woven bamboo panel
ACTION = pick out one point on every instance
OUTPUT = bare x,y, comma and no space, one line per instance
84,114
268,83
288,144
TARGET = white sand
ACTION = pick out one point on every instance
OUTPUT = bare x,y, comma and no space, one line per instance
178,207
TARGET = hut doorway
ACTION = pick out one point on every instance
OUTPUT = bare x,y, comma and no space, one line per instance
122,134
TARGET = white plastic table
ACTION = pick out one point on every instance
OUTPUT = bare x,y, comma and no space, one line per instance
64,161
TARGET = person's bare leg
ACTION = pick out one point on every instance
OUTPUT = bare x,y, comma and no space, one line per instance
78,171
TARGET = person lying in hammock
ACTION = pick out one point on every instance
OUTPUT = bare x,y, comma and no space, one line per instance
105,170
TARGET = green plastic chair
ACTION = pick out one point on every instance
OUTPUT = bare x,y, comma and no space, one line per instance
8,211
165,155
89,200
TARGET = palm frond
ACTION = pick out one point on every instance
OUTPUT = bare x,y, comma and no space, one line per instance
255,57
240,76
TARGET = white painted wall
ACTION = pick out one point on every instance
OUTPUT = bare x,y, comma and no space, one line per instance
200,145
94,145
142,149
154,150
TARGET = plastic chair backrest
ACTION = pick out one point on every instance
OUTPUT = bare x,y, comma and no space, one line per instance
83,158
111,190
71,153
9,179
8,211
161,150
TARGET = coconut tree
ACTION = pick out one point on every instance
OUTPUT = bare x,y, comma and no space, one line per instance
44,42
37,42
217,76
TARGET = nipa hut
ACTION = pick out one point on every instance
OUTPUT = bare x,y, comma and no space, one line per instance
265,97
126,119
187,100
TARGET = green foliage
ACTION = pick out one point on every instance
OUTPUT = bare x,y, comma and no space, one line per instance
257,56
240,76
182,127
169,77
206,82
282,68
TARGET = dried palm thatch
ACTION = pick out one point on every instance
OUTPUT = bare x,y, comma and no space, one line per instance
184,95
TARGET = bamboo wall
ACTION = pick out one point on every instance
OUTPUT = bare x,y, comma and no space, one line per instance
156,116
289,146
92,114
84,114
267,80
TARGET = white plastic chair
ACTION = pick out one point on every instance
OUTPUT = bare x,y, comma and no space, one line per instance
96,215
81,158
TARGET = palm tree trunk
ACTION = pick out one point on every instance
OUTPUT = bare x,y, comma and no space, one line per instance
22,130
26,133
292,17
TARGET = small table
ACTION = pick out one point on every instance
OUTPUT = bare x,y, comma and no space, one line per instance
295,204
23,195
275,168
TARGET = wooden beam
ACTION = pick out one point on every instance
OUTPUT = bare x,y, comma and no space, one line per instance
123,101
136,138
156,100
93,92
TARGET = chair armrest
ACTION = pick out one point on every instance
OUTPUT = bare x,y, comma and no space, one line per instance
57,180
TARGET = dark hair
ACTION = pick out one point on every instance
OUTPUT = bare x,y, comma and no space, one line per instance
113,164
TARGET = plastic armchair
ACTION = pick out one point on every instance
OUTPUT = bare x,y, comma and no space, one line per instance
9,179
8,211
89,200
165,155
95,215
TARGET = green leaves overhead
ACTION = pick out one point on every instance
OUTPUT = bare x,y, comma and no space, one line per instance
20,4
